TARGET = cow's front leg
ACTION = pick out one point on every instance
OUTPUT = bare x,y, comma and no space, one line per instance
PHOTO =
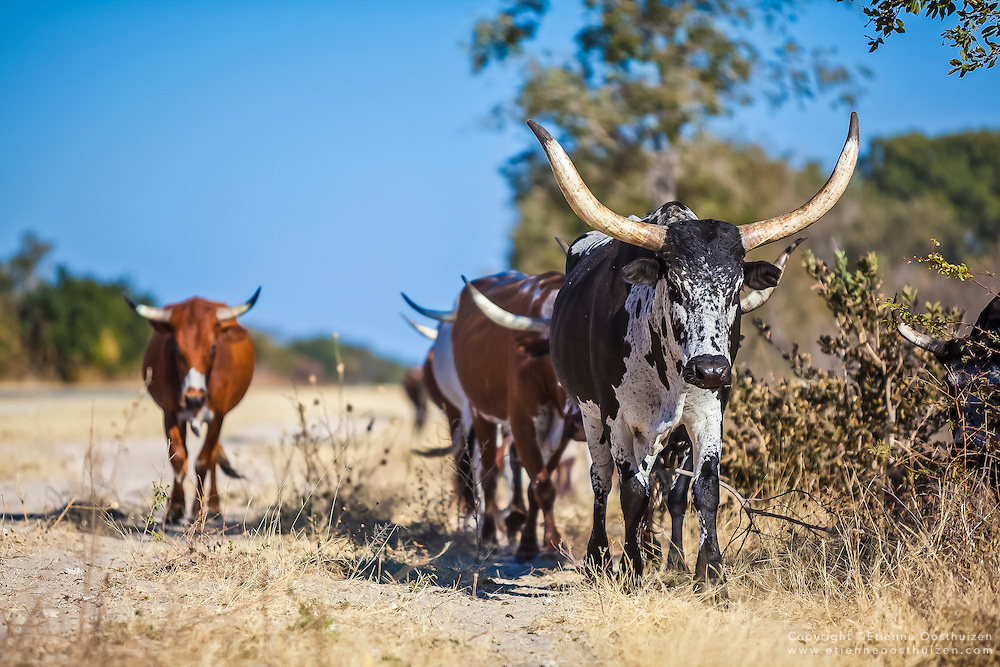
677,501
205,464
486,434
706,435
601,472
177,452
635,504
518,513
541,492
463,443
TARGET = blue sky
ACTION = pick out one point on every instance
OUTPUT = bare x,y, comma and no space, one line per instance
333,152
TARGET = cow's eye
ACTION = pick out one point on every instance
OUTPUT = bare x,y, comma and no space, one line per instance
212,352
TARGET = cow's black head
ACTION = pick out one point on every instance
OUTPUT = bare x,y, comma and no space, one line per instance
972,372
697,267
698,274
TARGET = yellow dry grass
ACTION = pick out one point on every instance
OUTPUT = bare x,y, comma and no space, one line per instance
393,578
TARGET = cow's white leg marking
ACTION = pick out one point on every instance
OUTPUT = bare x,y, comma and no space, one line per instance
703,420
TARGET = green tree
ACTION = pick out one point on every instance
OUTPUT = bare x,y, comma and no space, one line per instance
974,35
644,74
75,324
954,178
17,274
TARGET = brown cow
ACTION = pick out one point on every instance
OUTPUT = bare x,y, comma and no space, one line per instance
449,396
413,385
197,367
508,378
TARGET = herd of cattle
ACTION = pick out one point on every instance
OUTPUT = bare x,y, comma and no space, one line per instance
631,350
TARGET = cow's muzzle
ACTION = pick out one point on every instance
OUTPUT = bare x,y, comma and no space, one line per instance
708,371
194,402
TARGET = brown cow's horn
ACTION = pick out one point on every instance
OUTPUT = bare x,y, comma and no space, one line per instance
425,331
439,315
229,312
151,313
757,298
585,204
505,318
773,229
929,343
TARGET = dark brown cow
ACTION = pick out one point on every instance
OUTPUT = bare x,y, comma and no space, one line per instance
416,391
508,379
197,367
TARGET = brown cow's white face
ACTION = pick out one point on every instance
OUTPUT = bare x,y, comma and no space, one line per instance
195,340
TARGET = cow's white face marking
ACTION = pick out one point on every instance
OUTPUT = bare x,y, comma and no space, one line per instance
195,380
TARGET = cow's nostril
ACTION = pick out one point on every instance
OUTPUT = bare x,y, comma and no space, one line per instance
194,402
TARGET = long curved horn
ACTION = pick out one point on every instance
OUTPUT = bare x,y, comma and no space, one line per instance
757,234
756,298
924,341
586,205
439,315
151,313
505,318
229,312
423,330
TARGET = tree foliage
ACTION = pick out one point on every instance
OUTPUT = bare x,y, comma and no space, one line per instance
958,173
78,323
974,35
644,74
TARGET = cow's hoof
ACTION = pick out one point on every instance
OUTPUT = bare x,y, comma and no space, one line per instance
515,522
717,592
675,562
525,554
174,514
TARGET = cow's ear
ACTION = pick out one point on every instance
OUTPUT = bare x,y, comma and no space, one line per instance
231,331
761,275
643,271
532,344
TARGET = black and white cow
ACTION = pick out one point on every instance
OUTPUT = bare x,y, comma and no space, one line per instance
972,366
643,334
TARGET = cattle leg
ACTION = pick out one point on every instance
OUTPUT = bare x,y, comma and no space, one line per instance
541,490
486,435
677,506
177,453
601,471
465,481
205,464
517,515
635,503
708,571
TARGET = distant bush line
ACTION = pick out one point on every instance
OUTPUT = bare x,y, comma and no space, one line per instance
73,328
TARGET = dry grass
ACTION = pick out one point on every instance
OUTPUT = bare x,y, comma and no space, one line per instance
346,550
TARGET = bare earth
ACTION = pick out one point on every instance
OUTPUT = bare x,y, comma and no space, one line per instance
395,578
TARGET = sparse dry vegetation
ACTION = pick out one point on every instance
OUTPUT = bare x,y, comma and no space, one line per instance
343,547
